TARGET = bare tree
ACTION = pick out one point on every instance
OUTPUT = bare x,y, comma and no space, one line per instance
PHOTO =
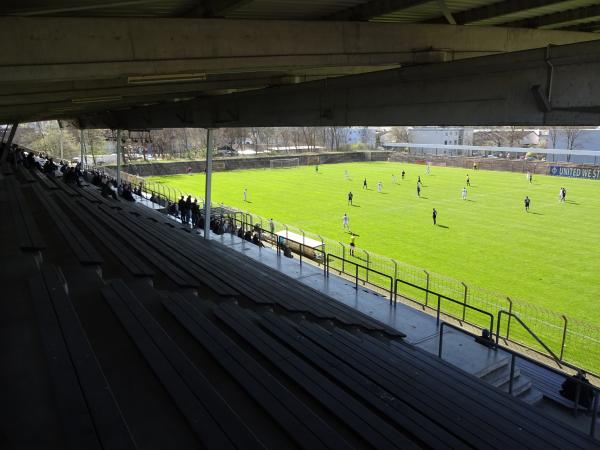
399,134
553,133
572,135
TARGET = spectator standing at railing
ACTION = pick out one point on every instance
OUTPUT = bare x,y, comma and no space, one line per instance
188,208
181,207
352,243
195,213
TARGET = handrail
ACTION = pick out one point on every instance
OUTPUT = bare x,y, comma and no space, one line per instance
533,335
514,354
443,297
357,266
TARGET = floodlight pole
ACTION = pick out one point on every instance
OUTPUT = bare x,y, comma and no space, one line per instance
209,144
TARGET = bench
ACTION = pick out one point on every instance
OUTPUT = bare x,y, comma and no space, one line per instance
25,174
451,414
213,421
45,180
60,183
28,234
163,244
81,247
89,413
526,420
428,433
135,265
131,241
259,285
358,418
293,416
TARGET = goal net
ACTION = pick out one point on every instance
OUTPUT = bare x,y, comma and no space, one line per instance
284,163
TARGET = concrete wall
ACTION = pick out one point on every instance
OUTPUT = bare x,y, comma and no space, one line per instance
507,165
259,162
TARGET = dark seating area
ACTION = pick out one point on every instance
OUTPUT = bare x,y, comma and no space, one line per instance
122,330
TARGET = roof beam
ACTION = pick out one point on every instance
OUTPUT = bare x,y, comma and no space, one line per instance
495,10
374,8
30,12
585,26
492,90
555,19
218,8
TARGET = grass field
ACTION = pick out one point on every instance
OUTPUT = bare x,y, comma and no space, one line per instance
549,256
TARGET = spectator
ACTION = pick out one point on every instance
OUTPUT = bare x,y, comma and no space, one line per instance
181,207
195,210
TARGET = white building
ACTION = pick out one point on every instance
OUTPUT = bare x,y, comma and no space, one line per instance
440,136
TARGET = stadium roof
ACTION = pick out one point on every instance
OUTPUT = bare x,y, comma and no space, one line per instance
65,59
582,15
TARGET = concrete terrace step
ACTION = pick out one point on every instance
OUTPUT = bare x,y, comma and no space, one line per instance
520,385
500,375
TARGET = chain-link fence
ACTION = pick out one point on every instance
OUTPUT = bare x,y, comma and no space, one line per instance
573,341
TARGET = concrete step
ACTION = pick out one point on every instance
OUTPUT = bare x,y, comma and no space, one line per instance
500,375
520,386
532,397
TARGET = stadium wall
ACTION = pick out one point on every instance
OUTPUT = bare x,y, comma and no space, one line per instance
500,164
255,162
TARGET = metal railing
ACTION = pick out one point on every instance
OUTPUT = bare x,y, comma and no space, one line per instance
573,340
593,408
441,297
357,267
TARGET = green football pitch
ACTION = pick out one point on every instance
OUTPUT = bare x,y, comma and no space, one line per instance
548,256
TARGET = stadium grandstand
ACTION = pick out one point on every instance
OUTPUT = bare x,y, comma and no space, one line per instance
125,328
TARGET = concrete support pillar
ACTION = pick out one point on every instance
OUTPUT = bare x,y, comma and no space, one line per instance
207,188
80,147
11,136
8,143
119,157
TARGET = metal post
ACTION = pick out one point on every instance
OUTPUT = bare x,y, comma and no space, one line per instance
60,140
510,306
465,302
594,414
207,193
343,257
356,278
512,374
395,278
427,289
118,155
441,343
564,337
302,247
437,319
367,271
